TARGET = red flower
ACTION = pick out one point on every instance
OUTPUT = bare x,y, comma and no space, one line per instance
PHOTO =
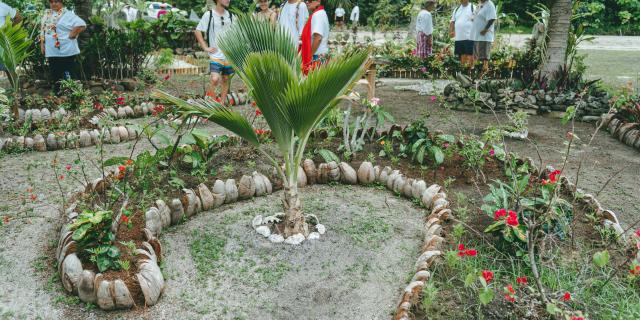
258,112
638,232
460,253
460,247
260,131
167,77
509,298
124,219
512,220
157,110
566,296
122,168
577,318
545,182
120,100
521,280
68,167
98,106
499,214
635,271
553,176
492,152
61,177
33,197
487,275
471,252
128,162
510,289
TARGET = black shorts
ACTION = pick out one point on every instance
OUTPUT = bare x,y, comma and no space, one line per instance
464,47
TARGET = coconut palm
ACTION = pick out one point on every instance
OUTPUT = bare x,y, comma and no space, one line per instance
292,104
558,36
15,47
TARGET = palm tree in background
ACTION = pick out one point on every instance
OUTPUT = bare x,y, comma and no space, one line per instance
558,36
15,47
292,104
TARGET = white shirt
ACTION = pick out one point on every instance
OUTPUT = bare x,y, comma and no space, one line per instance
340,12
461,17
424,23
287,18
219,25
130,13
483,13
355,14
68,47
320,25
6,11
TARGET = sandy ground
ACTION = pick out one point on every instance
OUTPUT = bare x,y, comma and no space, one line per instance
325,274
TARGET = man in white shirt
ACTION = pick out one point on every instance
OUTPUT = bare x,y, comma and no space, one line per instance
293,16
460,29
424,30
130,13
319,31
215,23
355,17
482,31
339,17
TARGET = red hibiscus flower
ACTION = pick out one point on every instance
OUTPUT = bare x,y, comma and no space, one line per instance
124,219
499,214
512,220
553,176
566,296
122,168
487,275
521,280
460,246
471,252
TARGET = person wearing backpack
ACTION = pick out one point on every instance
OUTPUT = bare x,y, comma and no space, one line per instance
293,17
460,29
214,23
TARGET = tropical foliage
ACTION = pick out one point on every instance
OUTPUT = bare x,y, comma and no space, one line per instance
292,104
15,47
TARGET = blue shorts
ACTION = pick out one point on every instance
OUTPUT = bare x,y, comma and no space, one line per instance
217,67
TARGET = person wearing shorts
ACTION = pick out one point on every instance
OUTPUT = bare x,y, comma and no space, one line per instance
460,29
215,23
339,18
482,31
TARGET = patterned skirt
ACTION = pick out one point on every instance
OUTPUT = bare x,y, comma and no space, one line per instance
425,45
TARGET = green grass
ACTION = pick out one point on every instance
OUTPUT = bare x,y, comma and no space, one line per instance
615,68
367,230
206,249
272,275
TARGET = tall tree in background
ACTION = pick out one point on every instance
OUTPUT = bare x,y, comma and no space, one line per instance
83,9
558,35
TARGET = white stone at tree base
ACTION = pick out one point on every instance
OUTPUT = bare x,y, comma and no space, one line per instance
276,238
257,221
321,228
313,236
295,239
264,231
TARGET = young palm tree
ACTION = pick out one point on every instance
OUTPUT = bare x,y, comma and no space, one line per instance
558,35
15,47
264,57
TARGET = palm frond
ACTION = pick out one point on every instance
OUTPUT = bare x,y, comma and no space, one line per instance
306,104
250,34
213,111
15,47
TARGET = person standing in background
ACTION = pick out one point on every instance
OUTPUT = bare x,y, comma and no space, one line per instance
339,17
214,23
424,30
355,18
484,17
315,37
7,12
460,29
130,13
265,13
59,32
293,17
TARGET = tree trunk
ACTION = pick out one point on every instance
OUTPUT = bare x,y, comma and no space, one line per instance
559,27
294,220
83,9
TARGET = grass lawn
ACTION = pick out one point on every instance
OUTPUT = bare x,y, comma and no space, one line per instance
615,68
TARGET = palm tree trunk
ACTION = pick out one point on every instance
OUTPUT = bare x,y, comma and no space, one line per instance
559,27
294,219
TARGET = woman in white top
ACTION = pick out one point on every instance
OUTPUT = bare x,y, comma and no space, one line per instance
424,30
266,13
59,41
460,29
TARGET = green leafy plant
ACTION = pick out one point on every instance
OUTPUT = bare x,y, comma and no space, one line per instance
92,233
15,48
291,103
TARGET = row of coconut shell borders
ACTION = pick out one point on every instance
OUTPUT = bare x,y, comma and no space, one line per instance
627,132
440,213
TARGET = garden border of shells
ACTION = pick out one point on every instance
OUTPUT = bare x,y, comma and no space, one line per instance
83,138
114,294
626,132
